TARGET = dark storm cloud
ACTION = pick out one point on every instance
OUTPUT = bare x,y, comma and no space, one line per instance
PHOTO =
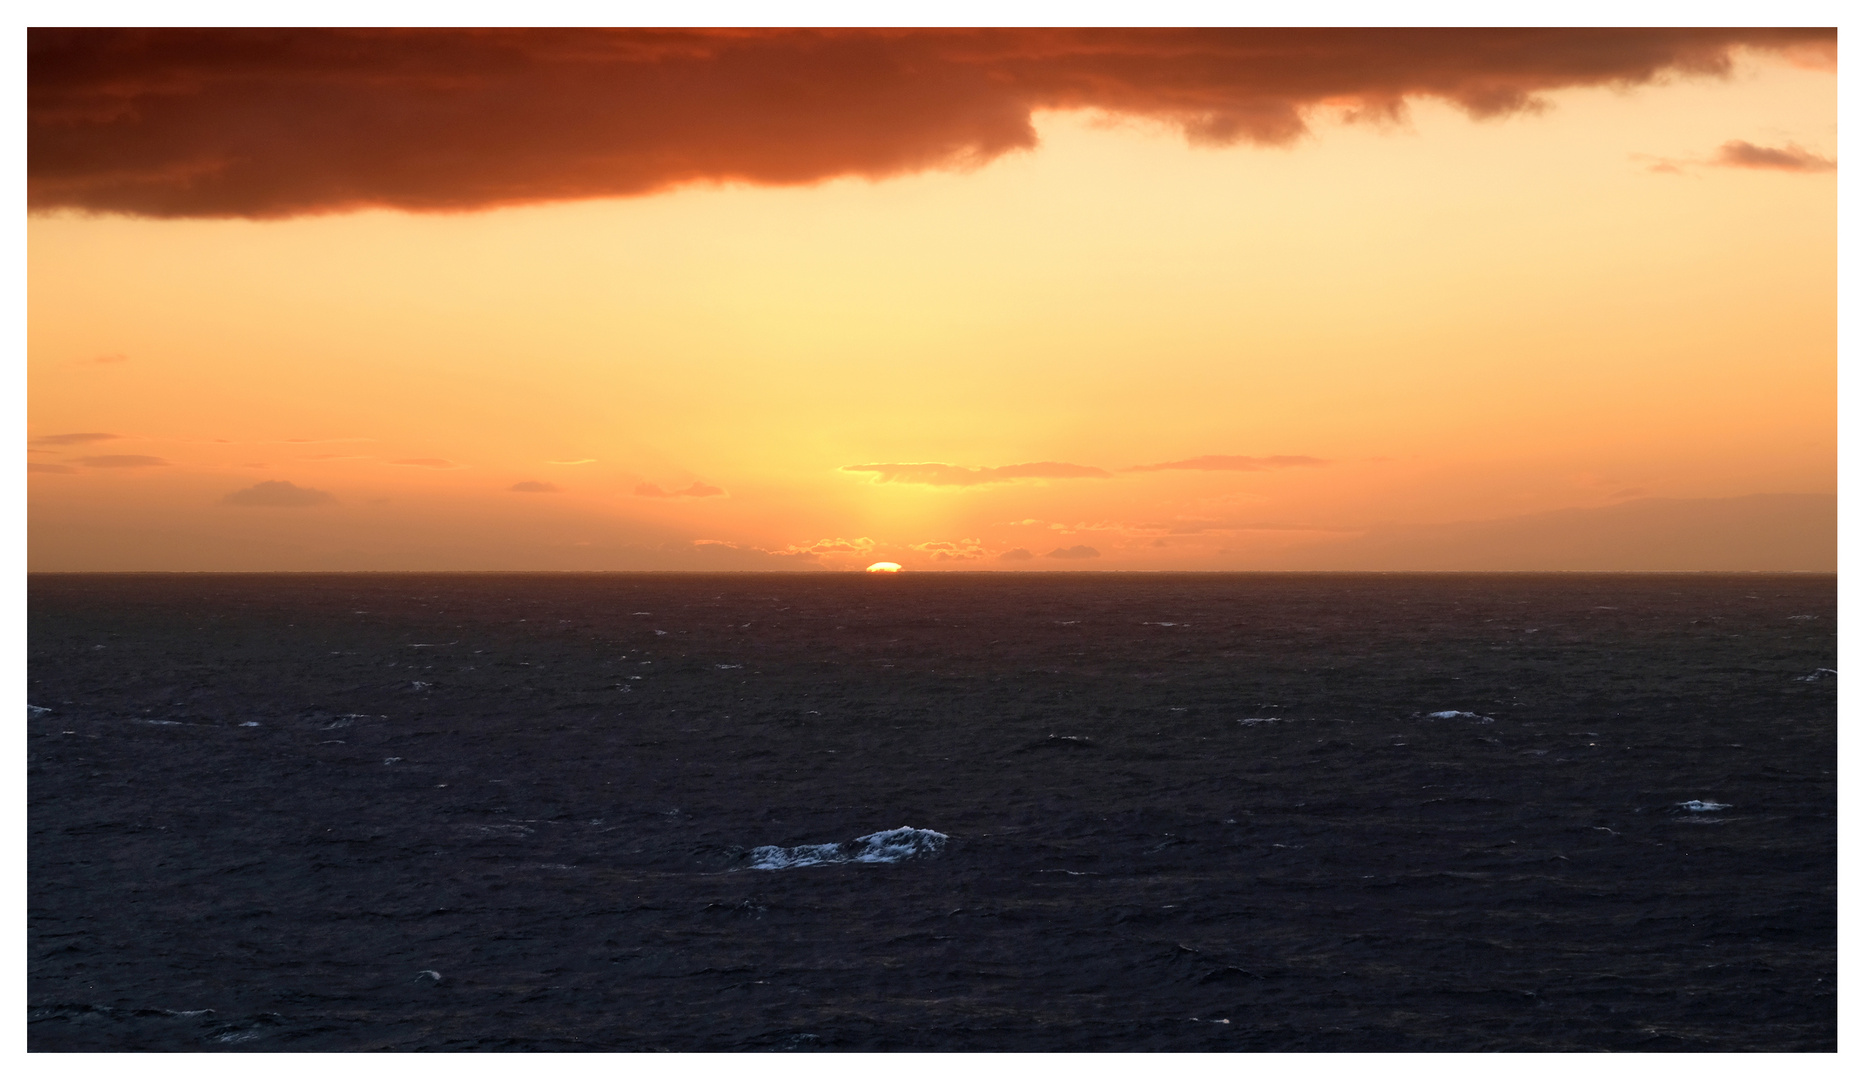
1791,158
278,493
1079,551
539,487
942,475
76,438
1232,463
272,123
121,461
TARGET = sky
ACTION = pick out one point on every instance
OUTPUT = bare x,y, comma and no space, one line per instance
992,300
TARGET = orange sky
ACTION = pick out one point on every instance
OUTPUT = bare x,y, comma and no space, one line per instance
1086,335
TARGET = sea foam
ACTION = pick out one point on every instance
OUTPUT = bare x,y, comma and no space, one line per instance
892,846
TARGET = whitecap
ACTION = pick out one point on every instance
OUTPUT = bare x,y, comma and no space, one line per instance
891,846
1252,721
1701,806
250,723
33,712
1818,674
1453,714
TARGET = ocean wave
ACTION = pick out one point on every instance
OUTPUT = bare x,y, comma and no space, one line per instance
1453,714
891,846
1702,806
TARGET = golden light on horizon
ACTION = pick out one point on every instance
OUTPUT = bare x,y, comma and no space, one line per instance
884,568
1112,344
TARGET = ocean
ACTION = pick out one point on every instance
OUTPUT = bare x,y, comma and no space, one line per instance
982,812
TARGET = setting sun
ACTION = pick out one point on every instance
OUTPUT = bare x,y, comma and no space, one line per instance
884,568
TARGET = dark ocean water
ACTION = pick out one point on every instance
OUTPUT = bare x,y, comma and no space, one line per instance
1158,812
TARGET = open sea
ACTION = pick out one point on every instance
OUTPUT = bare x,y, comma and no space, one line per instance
1013,812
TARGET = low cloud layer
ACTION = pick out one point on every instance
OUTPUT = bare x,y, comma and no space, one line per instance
695,490
1232,463
952,550
861,545
535,487
75,438
941,475
278,493
278,122
1079,551
122,461
424,463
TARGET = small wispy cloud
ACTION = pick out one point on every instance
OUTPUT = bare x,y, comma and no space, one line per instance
695,490
578,461
1233,463
46,468
938,474
1742,154
425,463
536,487
1739,154
278,493
75,438
122,461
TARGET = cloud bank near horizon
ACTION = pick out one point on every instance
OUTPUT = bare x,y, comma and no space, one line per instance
271,123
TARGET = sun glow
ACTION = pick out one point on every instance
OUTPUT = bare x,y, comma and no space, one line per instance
884,568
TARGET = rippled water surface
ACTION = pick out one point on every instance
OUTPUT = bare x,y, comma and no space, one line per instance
966,812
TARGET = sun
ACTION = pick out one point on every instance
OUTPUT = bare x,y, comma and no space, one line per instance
884,568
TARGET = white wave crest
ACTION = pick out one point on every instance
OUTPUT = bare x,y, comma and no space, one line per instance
1453,714
1700,806
892,846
